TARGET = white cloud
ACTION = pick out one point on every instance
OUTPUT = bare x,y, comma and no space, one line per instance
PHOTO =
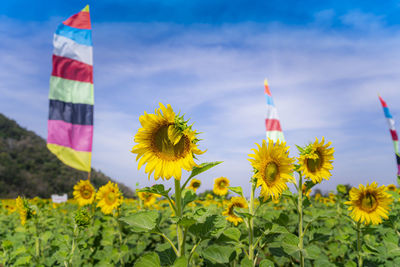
323,84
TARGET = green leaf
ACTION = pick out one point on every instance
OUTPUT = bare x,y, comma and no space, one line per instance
203,167
266,263
350,264
309,184
290,243
218,254
148,260
188,196
212,225
24,260
181,262
283,219
232,233
142,221
246,263
187,221
166,254
236,189
313,252
155,189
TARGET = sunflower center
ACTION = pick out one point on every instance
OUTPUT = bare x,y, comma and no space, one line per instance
314,164
86,192
110,198
222,184
271,172
196,184
369,202
165,148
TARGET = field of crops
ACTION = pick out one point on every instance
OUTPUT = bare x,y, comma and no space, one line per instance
139,233
171,224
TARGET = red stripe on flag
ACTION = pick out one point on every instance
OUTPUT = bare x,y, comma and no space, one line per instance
394,135
80,21
72,69
273,125
383,102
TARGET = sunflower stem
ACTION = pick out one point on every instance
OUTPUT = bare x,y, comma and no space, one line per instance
300,209
251,223
178,205
359,240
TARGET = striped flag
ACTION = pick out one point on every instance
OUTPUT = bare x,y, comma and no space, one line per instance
272,123
70,124
393,132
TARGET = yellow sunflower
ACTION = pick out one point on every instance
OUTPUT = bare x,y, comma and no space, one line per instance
149,199
221,186
84,192
194,184
22,210
273,168
316,161
369,204
392,187
109,198
238,202
166,143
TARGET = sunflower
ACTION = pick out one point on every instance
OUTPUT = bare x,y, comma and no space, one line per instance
273,168
392,187
238,202
22,210
166,143
221,186
109,197
149,199
316,161
84,192
194,184
369,204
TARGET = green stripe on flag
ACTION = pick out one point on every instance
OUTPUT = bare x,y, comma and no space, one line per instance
71,91
396,146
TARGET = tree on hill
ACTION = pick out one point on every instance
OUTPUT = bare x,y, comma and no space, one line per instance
29,169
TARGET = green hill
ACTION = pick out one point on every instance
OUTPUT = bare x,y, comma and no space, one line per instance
29,169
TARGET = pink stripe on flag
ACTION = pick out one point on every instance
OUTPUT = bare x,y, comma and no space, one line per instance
77,137
273,125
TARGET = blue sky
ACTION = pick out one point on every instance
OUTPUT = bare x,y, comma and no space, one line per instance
325,62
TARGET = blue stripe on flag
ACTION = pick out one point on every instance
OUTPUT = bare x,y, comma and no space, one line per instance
269,100
387,113
81,36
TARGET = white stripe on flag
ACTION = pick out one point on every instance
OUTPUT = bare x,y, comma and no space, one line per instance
272,112
65,47
391,124
275,135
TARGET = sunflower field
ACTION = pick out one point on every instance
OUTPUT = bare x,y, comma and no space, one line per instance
176,226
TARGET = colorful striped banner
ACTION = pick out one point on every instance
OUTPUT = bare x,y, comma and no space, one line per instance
272,123
70,124
393,132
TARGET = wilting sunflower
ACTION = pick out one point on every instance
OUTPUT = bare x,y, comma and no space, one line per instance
194,184
221,186
109,198
149,199
166,143
84,192
316,161
273,168
369,204
236,202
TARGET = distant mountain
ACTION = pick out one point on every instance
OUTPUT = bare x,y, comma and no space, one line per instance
29,169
